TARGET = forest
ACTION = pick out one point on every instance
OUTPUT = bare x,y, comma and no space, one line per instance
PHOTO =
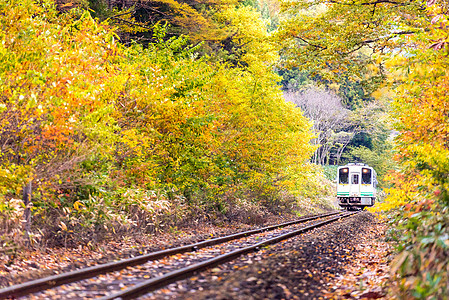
121,117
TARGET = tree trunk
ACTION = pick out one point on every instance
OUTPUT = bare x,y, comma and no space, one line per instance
27,213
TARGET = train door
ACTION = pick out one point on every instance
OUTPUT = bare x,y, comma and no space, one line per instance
367,189
354,189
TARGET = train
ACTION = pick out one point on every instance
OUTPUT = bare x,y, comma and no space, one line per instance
356,186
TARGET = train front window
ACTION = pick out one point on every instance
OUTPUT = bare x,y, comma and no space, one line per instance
366,176
343,176
355,179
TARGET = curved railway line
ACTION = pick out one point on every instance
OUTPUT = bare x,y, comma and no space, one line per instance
133,277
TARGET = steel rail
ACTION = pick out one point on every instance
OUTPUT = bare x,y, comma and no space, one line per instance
42,284
164,280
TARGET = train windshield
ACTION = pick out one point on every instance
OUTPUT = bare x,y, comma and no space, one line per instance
343,176
366,176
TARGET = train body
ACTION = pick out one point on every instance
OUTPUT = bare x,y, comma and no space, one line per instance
356,186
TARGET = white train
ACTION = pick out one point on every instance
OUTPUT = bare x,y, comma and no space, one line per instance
356,186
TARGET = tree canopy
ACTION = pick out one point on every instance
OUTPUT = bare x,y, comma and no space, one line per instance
101,128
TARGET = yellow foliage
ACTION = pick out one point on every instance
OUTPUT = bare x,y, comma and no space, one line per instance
249,32
134,118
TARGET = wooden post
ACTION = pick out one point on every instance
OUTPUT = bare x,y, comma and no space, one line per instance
27,213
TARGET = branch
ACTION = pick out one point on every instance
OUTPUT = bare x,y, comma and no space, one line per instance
310,44
371,3
385,1
132,23
122,14
153,9
359,45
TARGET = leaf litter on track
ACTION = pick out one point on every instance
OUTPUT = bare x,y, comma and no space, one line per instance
347,259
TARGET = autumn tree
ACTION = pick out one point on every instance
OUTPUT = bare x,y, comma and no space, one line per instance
129,136
344,39
405,43
419,74
51,108
137,18
373,143
332,122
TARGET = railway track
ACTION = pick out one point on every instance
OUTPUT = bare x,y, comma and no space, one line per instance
144,274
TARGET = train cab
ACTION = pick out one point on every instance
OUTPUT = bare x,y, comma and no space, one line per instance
356,185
